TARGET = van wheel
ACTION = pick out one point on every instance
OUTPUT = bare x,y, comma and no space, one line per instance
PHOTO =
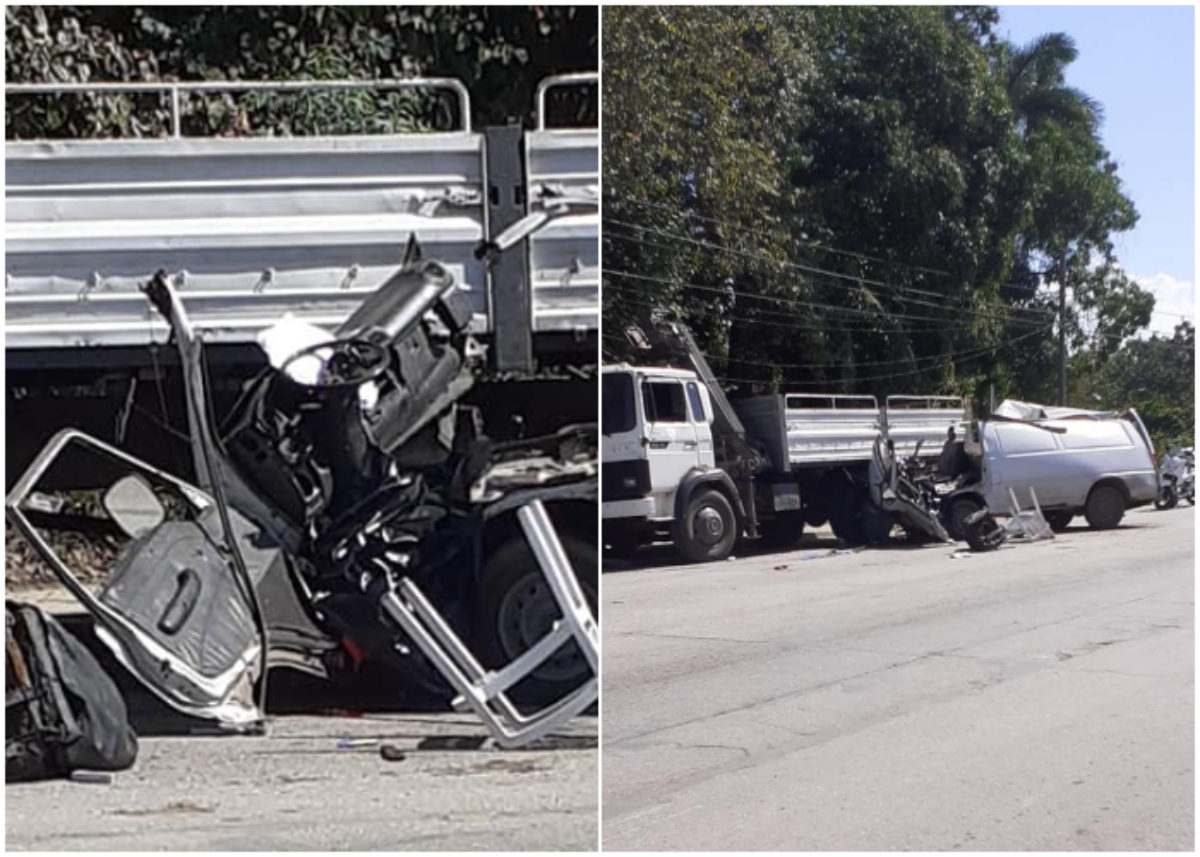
707,529
1059,520
960,510
784,531
1105,507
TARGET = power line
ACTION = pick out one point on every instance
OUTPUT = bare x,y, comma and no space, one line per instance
790,301
966,355
806,268
805,241
752,231
847,325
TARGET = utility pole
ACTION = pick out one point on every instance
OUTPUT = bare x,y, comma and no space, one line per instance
1062,327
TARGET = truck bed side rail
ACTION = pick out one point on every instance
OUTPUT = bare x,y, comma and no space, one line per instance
564,258
910,419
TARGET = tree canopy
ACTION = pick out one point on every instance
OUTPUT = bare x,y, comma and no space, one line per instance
860,199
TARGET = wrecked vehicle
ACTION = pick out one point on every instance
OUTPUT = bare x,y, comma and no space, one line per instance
1094,463
349,508
902,492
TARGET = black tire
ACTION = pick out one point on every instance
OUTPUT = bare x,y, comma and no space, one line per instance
961,509
707,529
976,536
876,524
1058,520
1105,507
843,500
517,609
1166,499
784,531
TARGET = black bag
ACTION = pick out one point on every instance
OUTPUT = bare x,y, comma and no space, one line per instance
63,712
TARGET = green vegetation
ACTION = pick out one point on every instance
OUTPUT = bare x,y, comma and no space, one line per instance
871,199
500,53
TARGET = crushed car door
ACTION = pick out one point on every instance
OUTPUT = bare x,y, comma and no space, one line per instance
160,580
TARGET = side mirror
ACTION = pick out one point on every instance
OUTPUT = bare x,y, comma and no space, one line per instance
134,506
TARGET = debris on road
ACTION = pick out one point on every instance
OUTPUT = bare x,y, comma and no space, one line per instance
354,743
96,777
391,753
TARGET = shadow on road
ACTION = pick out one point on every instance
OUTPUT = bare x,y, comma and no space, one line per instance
663,555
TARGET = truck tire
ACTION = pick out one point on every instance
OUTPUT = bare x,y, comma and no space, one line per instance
517,608
707,529
961,509
1058,520
784,531
1105,507
876,525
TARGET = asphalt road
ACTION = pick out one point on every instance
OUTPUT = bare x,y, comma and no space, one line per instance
1036,698
296,790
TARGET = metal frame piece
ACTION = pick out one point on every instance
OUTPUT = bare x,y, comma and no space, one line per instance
137,651
485,691
1028,524
576,79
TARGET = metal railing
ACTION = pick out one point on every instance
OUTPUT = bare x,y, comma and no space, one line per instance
175,89
581,78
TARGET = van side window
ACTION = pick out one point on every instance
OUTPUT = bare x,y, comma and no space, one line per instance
1017,439
696,402
663,402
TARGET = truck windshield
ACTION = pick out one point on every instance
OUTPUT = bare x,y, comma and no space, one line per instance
617,412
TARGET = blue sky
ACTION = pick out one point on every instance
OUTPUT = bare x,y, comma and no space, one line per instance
1139,63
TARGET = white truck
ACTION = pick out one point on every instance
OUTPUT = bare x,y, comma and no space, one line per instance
678,459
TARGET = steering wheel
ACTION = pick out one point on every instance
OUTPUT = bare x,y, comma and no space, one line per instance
352,362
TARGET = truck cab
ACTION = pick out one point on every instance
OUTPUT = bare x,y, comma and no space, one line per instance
657,427
657,445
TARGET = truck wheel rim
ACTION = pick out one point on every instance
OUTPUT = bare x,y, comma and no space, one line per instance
708,526
527,613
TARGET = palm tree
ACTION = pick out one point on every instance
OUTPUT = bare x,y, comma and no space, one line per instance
1034,76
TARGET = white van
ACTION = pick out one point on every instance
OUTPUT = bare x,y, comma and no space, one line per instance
1093,463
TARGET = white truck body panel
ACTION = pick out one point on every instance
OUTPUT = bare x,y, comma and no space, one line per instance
252,227
924,419
564,258
816,430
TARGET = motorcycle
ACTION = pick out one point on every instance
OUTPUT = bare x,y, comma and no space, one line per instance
349,509
1177,479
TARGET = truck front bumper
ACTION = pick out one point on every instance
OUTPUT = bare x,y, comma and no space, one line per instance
642,507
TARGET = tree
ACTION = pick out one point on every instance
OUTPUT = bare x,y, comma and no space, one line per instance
1157,375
